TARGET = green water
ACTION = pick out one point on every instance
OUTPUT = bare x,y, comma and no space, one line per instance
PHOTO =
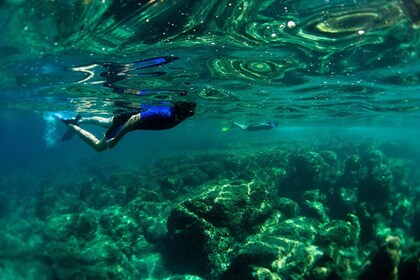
332,192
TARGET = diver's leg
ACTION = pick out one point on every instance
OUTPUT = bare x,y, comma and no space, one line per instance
90,139
99,121
128,126
241,126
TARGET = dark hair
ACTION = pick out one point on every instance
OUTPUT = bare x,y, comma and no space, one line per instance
185,109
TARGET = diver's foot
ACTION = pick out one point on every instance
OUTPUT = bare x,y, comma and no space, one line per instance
72,121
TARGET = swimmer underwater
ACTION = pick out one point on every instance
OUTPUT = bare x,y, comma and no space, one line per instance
150,117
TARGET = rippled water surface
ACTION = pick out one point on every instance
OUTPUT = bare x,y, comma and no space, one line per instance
352,62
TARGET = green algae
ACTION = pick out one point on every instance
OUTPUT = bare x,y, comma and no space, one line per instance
218,226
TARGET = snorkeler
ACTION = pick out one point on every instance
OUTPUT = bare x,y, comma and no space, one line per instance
150,117
254,126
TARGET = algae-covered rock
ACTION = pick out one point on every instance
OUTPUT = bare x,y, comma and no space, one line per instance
298,229
49,203
286,206
307,171
314,209
415,226
340,233
202,229
312,205
171,187
251,256
409,266
377,187
383,263
194,245
64,227
237,206
150,217
353,172
120,227
334,263
342,201
97,197
77,248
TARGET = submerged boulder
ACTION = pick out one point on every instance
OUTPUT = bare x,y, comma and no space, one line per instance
253,262
202,230
383,263
342,201
339,233
377,186
409,266
306,171
288,207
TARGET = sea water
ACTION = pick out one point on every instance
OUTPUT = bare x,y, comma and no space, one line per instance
325,193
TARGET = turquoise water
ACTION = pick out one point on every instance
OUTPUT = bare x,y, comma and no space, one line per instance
206,199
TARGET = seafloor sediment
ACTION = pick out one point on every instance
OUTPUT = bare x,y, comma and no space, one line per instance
334,210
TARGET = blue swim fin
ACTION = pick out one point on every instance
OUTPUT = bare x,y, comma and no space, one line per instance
70,132
152,62
68,135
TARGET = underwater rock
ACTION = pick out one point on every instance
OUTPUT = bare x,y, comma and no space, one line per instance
212,167
306,171
11,246
193,176
383,264
76,248
415,226
96,196
377,187
343,234
238,206
295,263
50,203
409,266
300,229
314,209
402,212
253,262
286,206
121,228
180,177
202,229
153,225
312,205
171,187
353,172
65,226
368,220
334,263
342,201
195,246
46,204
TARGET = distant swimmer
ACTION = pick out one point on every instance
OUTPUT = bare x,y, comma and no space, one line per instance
254,126
147,117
